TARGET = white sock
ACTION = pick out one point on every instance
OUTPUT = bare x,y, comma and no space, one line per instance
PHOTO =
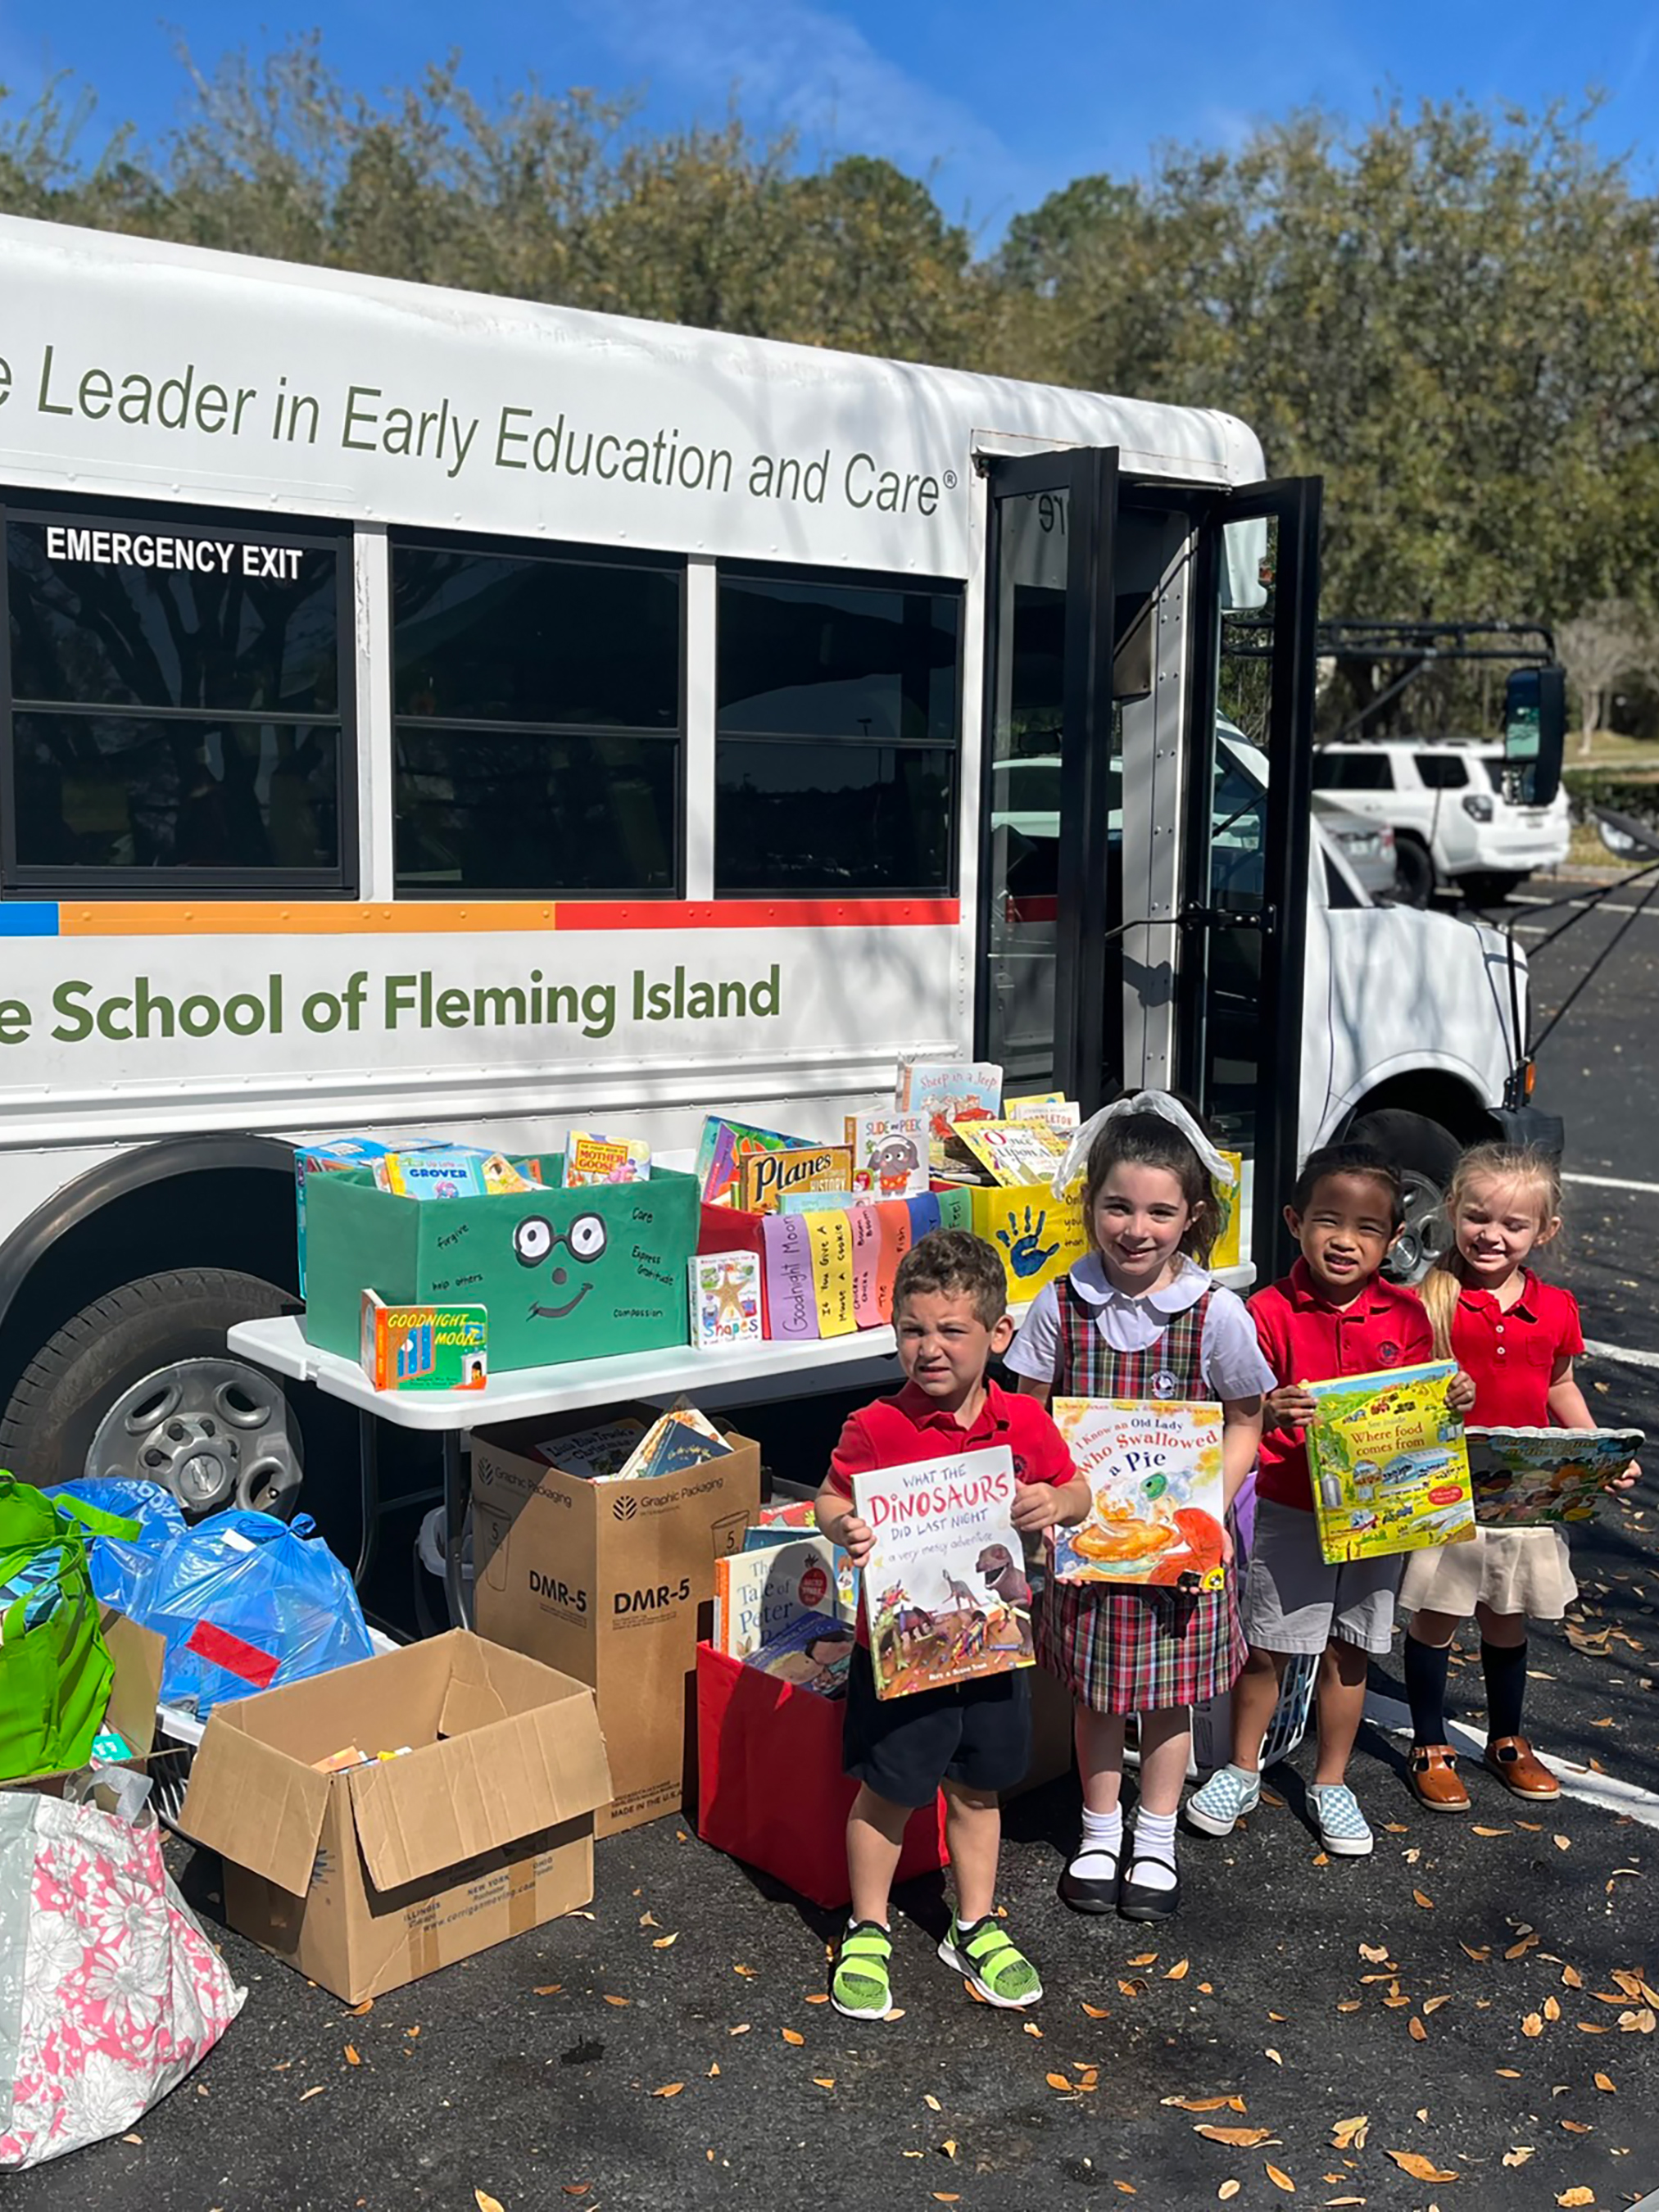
1154,1864
1102,1839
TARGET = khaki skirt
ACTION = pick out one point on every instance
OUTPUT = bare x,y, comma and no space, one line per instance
1510,1570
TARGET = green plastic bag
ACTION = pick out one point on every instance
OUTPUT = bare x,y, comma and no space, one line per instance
54,1668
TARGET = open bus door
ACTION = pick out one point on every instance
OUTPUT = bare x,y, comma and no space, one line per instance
1143,872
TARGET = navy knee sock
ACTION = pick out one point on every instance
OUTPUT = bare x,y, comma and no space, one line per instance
1425,1690
1504,1667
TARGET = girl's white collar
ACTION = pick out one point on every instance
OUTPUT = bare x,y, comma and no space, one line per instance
1089,1281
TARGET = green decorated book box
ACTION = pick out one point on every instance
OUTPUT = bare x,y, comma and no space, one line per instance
565,1274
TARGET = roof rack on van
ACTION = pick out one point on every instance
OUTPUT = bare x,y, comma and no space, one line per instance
1421,644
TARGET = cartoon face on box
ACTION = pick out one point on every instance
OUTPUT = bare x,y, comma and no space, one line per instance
564,1260
590,1274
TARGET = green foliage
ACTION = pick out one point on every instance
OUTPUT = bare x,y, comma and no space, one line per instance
1451,314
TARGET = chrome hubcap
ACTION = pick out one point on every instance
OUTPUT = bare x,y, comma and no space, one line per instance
213,1431
1426,1237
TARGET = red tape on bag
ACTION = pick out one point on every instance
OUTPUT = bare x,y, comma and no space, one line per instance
246,1660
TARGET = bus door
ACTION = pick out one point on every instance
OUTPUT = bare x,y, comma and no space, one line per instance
1134,866
1248,839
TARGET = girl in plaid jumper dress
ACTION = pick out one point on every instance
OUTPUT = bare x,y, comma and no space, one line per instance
1141,1318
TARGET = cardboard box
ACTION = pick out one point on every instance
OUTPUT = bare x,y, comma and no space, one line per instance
1037,1236
369,1879
603,1580
138,1655
565,1274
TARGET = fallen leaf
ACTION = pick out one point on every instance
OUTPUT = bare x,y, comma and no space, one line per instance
824,2080
1178,1971
352,2058
1533,2025
1579,2196
1605,2081
1571,1978
411,2032
1239,2138
582,2188
669,2089
1033,2030
1097,2012
1204,2104
821,1997
485,2202
1433,2004
1145,1959
894,2011
618,2001
791,2035
1427,1903
1508,2073
666,1943
946,2196
1532,1827
1421,2168
649,1920
1281,2017
1518,2154
948,2147
1348,2004
748,1972
1490,1831
547,1990
1057,2080
1274,2056
133,2139
1592,2027
1127,2187
1350,2135
1552,2008
1477,1952
305,2095
1134,1988
1375,1953
1562,1843
1279,2177
1396,1827
714,2071
932,2104
356,2012
1229,2190
1577,2128
742,2028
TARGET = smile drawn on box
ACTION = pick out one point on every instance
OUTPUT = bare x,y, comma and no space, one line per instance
535,1240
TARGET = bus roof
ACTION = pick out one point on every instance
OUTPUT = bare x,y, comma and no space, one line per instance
146,370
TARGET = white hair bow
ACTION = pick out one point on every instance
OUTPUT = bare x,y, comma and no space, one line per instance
1144,1101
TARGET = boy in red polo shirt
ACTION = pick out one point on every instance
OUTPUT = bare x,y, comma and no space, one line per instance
1332,1315
973,1738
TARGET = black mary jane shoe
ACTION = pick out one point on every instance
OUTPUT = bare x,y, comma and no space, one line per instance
1137,1901
1091,1893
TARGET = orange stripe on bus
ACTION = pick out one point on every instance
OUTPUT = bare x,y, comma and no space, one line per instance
330,918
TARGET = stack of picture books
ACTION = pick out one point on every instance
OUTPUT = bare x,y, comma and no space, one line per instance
757,1170
630,1449
776,1609
429,1171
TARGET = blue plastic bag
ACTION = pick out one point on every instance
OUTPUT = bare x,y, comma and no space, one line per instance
121,1561
245,1603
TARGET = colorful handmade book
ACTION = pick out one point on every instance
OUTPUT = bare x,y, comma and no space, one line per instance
758,1595
926,1214
1388,1463
890,1153
945,1592
829,1248
1530,1477
764,1177
725,1299
1158,1510
880,1238
791,1305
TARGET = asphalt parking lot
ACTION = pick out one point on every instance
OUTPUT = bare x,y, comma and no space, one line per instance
1465,2019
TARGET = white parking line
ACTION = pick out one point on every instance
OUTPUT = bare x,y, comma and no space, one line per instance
1604,1791
1622,1353
1611,1183
1607,906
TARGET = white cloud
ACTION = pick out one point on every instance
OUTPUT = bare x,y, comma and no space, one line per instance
792,64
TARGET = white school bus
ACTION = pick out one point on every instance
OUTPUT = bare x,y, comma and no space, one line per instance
422,713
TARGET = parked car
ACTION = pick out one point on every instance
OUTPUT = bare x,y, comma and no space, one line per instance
1367,845
1455,808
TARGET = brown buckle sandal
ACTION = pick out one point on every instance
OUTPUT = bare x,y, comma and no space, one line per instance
1435,1780
1519,1768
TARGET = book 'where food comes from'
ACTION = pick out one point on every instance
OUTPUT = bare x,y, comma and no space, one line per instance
1388,1463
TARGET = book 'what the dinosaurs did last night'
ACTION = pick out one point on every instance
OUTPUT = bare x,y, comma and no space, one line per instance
945,1592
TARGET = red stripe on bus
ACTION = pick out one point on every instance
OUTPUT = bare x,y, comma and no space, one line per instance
758,913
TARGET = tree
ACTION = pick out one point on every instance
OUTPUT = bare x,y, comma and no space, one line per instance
1613,639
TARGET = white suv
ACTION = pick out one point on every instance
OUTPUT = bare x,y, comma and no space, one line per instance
1453,804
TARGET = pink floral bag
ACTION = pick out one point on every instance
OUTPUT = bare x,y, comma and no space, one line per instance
110,1993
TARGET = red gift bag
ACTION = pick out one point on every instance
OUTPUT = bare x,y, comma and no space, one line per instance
770,1789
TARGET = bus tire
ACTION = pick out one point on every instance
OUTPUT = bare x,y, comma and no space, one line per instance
1425,1155
1415,874
161,1329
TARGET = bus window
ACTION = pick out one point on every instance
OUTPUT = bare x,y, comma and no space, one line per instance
538,722
838,728
175,703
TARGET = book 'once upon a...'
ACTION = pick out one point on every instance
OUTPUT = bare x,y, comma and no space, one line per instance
945,1593
1533,1477
1387,1464
1158,1510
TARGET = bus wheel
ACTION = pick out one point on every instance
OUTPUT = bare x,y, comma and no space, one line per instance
1425,1155
140,1383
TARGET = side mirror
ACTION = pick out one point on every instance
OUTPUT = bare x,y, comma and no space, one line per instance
1535,731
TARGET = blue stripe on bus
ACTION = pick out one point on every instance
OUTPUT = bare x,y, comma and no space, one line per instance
28,917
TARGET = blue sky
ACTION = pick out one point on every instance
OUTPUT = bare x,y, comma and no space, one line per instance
994,104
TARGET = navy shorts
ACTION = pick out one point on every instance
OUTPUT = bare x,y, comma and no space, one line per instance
977,1733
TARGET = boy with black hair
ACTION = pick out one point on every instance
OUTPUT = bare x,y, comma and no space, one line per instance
1333,1315
972,1738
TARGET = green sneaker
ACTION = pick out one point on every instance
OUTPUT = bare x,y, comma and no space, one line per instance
859,1986
995,1969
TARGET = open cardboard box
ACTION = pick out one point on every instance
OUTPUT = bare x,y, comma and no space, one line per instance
365,1879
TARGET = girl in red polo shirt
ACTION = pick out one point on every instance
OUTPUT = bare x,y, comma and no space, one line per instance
1518,1337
